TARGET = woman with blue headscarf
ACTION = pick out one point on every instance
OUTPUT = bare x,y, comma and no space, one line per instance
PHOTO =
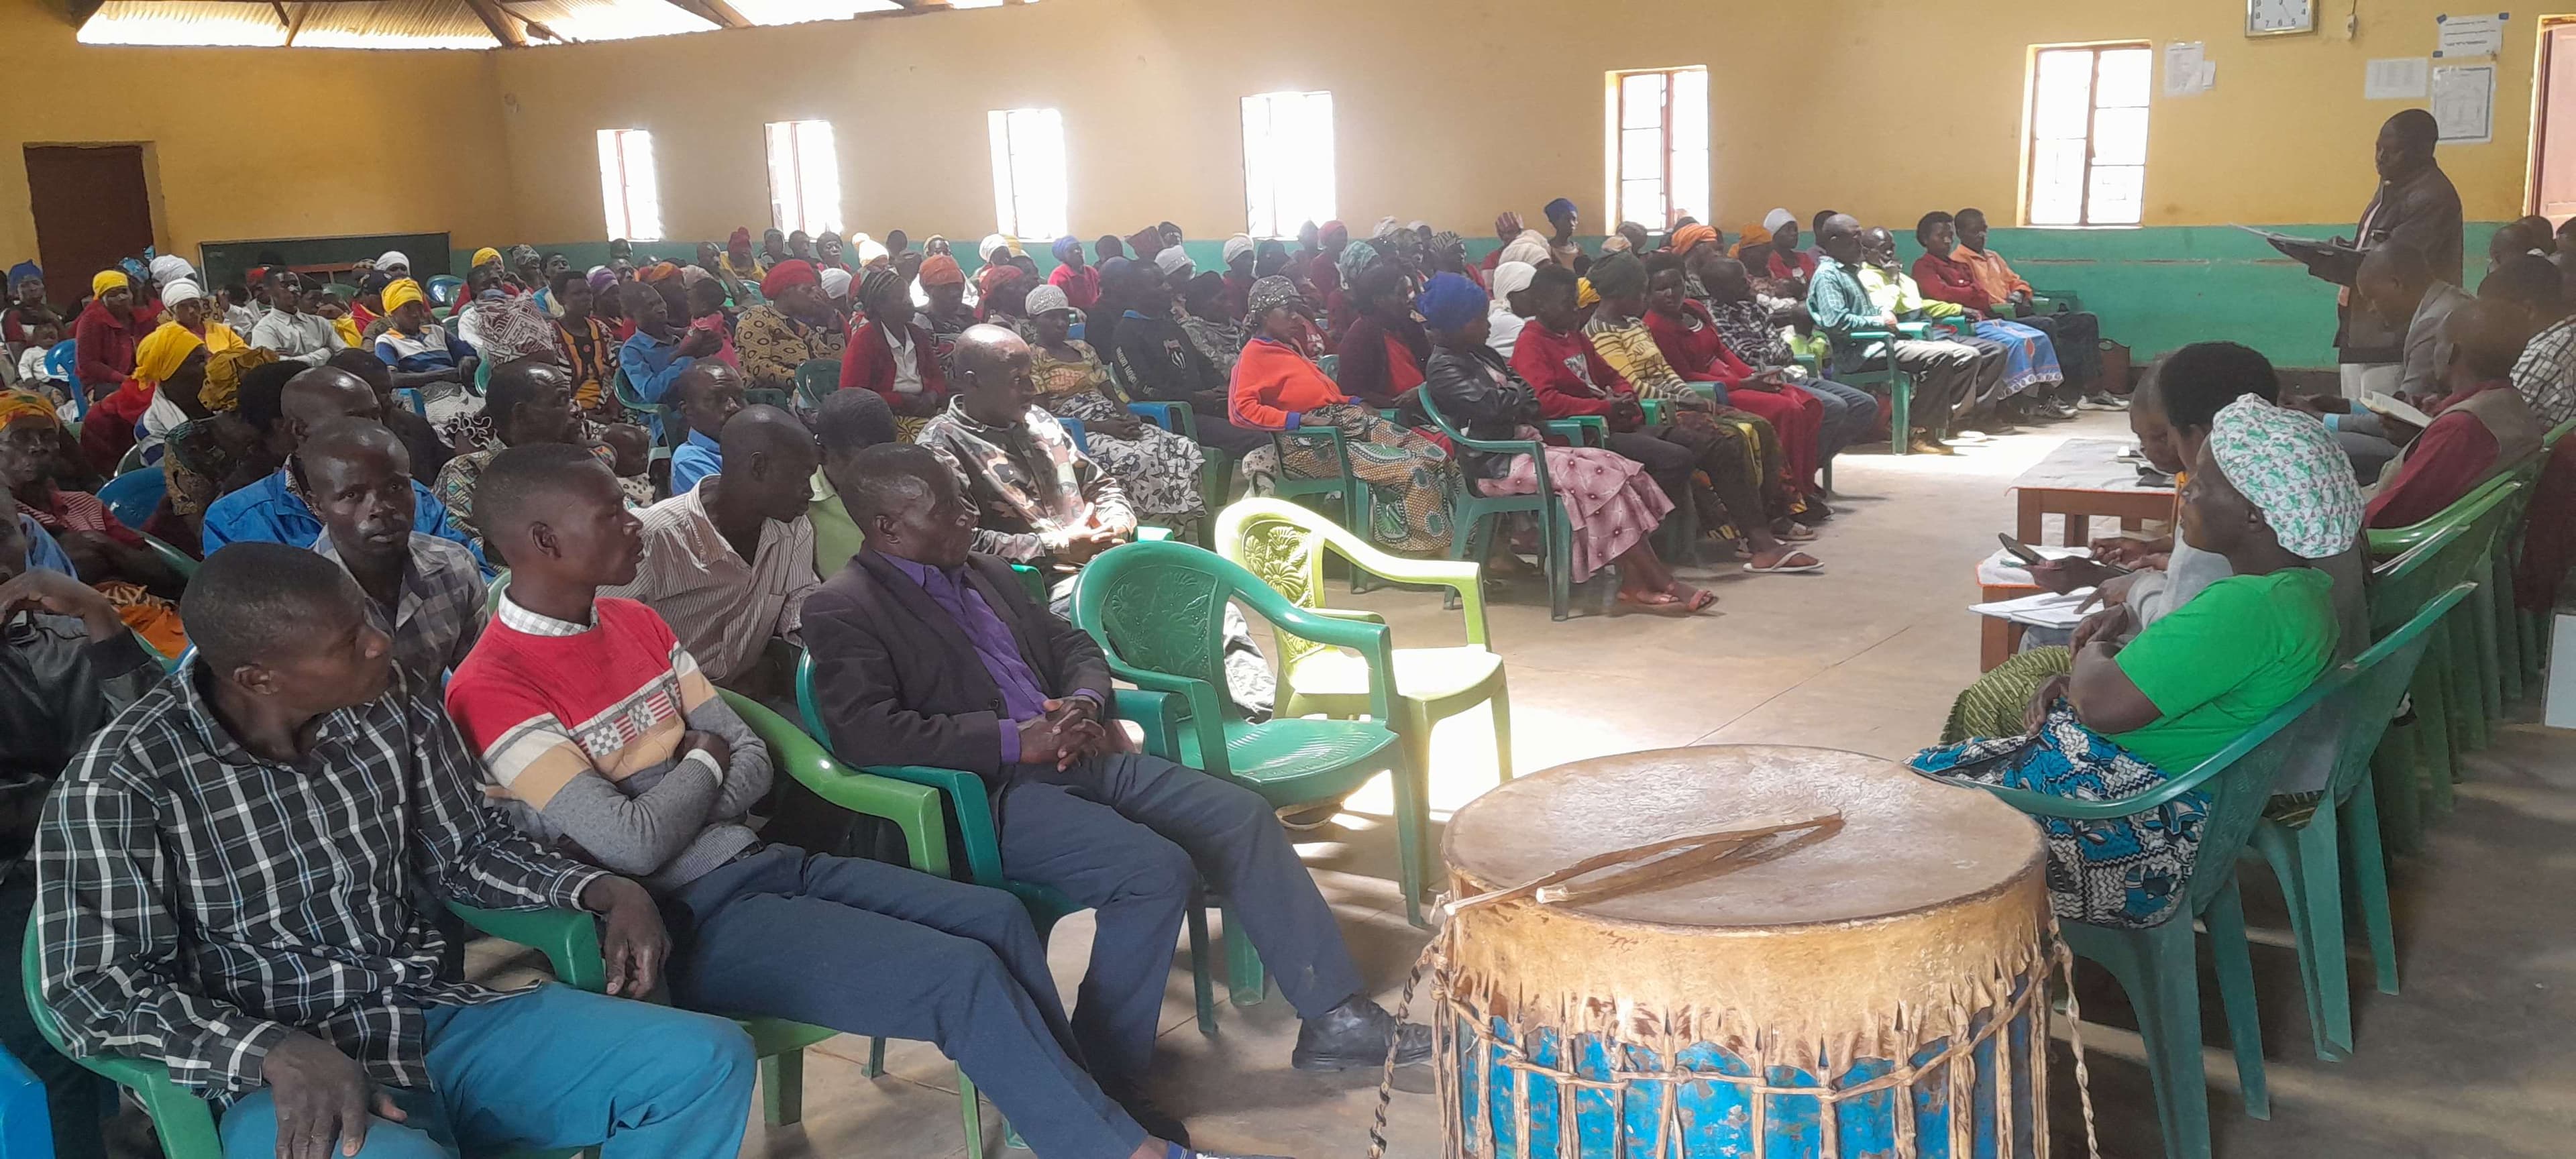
1610,503
1080,283
1562,248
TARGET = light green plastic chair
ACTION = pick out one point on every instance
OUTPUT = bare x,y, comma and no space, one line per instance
1286,546
1157,610
1476,518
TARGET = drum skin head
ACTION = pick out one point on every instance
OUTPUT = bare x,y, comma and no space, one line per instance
1908,843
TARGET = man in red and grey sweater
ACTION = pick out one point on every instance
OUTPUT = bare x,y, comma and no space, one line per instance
600,735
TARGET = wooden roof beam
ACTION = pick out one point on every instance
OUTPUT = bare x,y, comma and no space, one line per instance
503,26
715,12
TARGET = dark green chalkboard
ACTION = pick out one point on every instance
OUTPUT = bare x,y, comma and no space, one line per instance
223,261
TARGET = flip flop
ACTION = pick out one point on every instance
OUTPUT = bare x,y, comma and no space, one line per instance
1666,605
1784,567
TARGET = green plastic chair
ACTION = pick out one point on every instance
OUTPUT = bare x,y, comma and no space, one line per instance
1341,484
2309,857
969,815
2156,966
1476,518
2447,697
184,1122
816,380
177,560
1898,384
1286,545
654,411
1157,610
914,810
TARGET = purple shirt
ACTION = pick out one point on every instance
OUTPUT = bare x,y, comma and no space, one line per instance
1022,698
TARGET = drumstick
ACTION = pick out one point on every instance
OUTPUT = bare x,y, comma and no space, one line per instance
1710,851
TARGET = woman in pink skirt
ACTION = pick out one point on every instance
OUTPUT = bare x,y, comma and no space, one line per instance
1611,503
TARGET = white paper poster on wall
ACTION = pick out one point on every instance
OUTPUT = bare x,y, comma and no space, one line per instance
2464,103
2401,78
2188,70
2470,34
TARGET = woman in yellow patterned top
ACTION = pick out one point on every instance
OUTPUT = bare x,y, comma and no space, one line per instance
1158,469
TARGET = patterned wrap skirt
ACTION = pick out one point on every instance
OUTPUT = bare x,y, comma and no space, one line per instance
1407,475
2128,873
1611,503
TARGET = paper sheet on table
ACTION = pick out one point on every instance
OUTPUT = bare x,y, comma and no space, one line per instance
2045,610
2391,406
2002,570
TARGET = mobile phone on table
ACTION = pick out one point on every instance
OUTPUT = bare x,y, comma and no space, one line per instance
2022,551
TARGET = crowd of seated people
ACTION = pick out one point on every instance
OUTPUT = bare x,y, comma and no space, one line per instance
683,517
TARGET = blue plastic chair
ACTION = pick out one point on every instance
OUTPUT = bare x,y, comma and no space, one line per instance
443,289
132,496
1081,435
60,360
26,1129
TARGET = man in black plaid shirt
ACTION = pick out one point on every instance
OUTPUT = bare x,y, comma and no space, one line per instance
230,881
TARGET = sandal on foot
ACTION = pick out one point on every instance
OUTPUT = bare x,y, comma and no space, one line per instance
1787,566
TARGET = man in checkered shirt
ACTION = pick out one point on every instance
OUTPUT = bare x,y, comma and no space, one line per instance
230,882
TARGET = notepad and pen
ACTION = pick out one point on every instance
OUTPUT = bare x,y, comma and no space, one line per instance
2044,610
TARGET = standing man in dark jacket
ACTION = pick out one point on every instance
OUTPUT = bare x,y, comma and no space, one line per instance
926,654
2414,206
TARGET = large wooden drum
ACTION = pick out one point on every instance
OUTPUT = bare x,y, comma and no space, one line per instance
1875,989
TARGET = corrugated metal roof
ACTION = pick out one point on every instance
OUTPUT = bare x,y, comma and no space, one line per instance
409,24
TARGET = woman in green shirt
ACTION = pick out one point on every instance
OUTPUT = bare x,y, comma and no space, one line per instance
2272,492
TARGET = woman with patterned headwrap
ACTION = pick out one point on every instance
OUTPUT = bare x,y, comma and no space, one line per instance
2272,492
1157,468
219,451
893,355
1277,388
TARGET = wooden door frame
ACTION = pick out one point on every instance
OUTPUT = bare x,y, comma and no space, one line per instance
2539,111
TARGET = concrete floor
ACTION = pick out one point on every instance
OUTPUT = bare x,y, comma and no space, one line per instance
2473,1059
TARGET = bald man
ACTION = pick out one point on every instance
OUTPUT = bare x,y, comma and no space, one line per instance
2414,206
275,509
729,562
2398,288
1945,374
1006,450
2480,427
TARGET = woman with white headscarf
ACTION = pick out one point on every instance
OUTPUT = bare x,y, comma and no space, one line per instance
1509,278
2272,492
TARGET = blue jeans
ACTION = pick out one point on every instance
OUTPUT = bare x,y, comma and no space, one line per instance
869,948
556,1067
1851,414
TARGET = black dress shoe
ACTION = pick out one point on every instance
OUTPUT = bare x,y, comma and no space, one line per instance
1157,1122
1358,1033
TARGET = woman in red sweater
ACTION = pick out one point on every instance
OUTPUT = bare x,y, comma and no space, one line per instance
1687,334
892,356
1277,388
1384,349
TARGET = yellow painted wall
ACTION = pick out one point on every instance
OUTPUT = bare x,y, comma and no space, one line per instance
227,165
2284,136
1447,111
1451,111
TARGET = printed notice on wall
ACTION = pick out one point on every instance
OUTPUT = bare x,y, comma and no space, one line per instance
2470,34
2188,70
2464,103
2400,78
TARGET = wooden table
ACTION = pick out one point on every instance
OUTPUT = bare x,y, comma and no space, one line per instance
2081,479
1998,639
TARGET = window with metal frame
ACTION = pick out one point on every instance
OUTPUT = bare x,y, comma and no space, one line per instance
2087,160
627,192
1287,162
1029,186
1659,146
804,177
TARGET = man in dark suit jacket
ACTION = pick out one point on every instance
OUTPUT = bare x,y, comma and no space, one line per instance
2415,207
926,654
